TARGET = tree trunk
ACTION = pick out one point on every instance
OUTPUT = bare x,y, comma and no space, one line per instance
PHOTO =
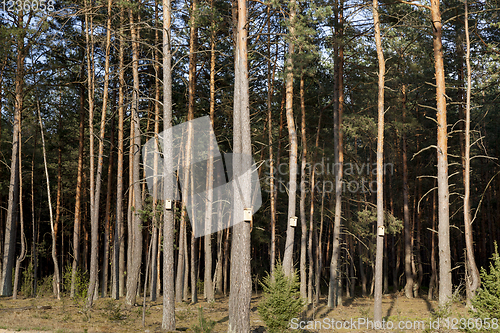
168,322
377,313
9,249
333,287
193,48
433,280
445,283
22,254
136,236
105,257
94,224
154,248
54,258
313,237
406,211
59,183
292,136
302,203
241,283
272,189
119,243
34,240
473,280
208,285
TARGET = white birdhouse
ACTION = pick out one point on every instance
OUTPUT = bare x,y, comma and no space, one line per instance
168,204
293,221
247,214
381,230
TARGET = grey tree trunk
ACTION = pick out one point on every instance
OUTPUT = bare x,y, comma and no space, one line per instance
292,136
10,234
445,283
94,223
54,258
78,195
302,203
154,250
168,321
136,236
105,258
22,254
408,230
241,283
334,290
208,282
473,280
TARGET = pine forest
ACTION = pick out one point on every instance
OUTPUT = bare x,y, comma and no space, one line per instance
249,166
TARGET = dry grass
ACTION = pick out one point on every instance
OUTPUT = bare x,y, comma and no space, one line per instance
49,315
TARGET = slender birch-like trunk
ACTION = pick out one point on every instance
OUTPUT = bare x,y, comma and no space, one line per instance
292,136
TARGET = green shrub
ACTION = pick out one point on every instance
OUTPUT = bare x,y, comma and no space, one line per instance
281,300
81,281
27,281
114,311
486,303
45,286
204,326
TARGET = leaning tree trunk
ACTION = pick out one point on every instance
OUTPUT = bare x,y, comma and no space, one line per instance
54,257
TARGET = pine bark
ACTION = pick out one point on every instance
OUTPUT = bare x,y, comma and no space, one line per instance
208,282
119,243
136,235
445,283
9,249
334,290
22,254
241,283
377,313
408,231
168,321
472,273
302,203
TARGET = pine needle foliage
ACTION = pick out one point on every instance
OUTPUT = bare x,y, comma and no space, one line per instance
486,303
281,300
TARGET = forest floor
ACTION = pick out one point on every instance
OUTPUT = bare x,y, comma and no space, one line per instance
46,314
